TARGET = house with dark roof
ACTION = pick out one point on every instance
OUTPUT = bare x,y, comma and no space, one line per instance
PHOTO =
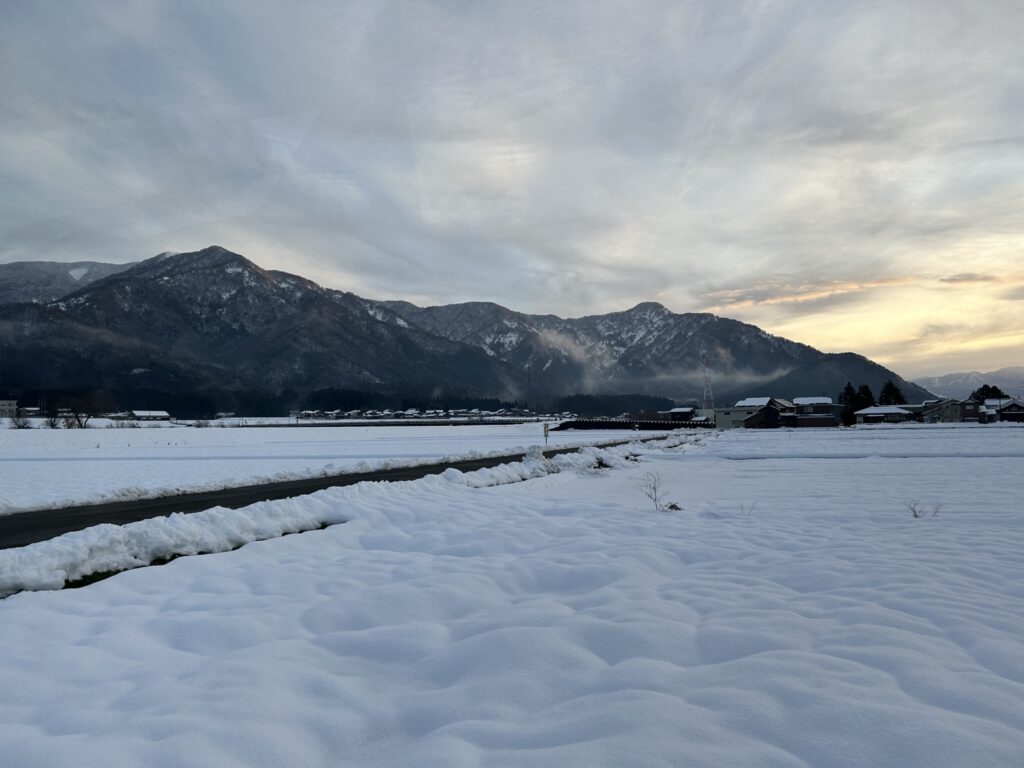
813,412
1007,408
884,414
151,415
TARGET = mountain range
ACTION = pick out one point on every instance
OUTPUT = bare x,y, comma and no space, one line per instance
211,321
961,385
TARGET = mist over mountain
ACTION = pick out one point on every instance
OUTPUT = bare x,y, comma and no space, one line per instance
650,350
961,385
212,321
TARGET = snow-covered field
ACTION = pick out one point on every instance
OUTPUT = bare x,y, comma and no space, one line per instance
794,613
42,468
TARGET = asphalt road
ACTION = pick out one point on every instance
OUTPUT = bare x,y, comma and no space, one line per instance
23,528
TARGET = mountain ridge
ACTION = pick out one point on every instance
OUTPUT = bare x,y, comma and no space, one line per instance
961,384
212,319
27,282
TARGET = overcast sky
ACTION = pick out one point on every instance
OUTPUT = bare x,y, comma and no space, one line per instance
847,174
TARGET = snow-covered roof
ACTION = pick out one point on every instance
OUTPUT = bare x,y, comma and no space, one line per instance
761,402
1003,402
151,414
812,401
753,402
680,410
878,410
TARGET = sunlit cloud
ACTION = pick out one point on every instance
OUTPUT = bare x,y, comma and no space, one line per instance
774,293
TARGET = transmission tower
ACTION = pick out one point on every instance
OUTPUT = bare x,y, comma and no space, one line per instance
709,396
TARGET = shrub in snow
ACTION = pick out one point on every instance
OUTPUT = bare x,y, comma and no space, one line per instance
653,488
919,509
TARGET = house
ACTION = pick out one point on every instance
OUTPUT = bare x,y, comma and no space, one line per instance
970,410
8,409
682,414
151,415
731,418
949,410
1004,409
1007,408
812,412
944,410
883,414
753,412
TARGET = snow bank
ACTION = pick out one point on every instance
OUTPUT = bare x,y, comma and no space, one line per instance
46,469
111,548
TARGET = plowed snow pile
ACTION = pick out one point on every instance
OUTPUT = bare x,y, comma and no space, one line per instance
793,613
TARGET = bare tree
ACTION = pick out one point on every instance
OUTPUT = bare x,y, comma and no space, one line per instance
80,419
20,422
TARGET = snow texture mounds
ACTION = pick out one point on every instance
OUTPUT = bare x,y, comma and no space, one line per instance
564,622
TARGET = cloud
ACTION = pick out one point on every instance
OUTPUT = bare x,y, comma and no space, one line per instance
776,160
968,277
786,297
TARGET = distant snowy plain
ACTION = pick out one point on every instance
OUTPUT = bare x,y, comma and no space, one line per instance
793,613
41,468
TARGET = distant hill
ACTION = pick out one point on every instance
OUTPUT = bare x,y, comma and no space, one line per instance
212,321
960,385
43,281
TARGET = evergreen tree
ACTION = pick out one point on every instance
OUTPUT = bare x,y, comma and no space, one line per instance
865,399
987,392
848,399
891,395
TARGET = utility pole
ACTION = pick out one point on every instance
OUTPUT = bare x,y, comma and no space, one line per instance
709,396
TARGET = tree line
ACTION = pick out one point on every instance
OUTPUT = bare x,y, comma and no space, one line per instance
857,399
854,400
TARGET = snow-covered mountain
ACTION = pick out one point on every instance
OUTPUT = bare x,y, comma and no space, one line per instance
214,321
43,281
648,349
961,385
